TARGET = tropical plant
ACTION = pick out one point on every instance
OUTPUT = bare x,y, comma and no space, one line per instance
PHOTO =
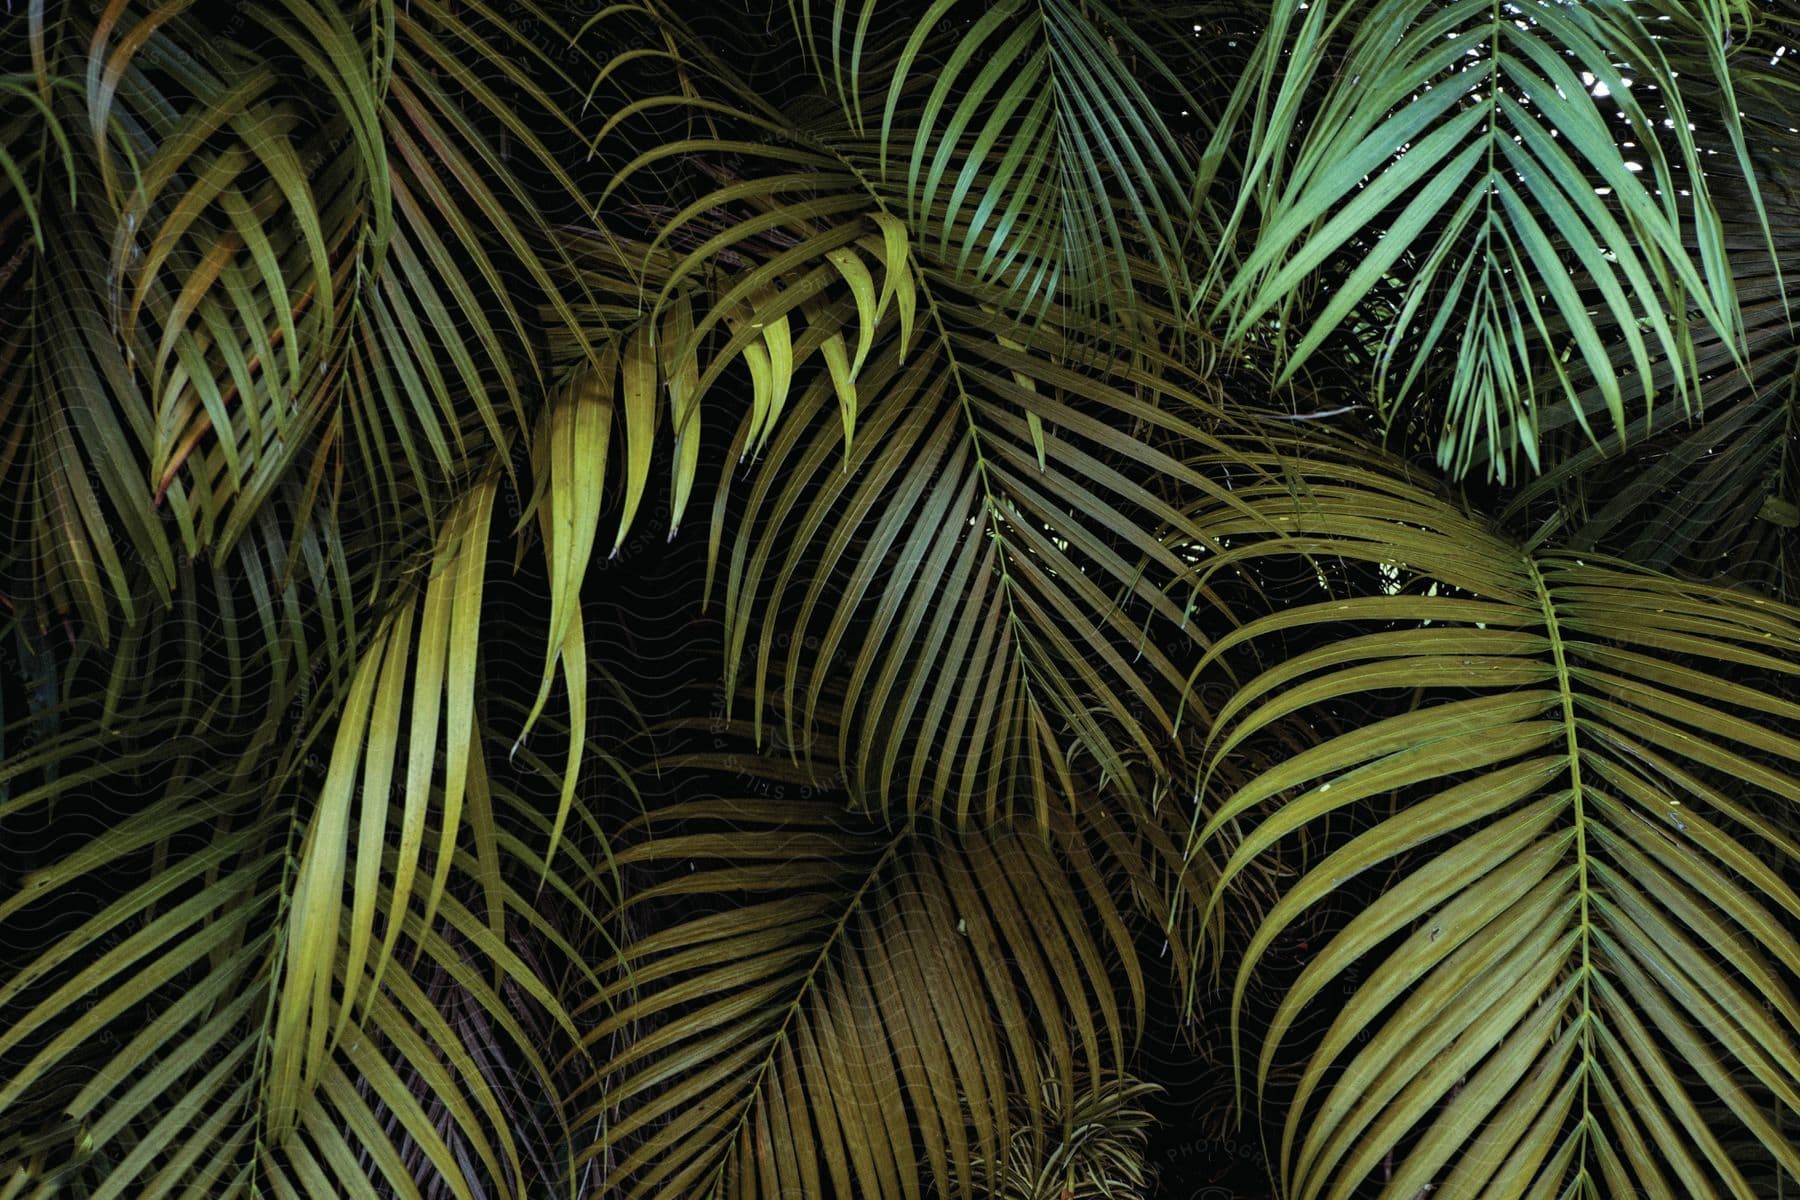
1101,1154
1063,556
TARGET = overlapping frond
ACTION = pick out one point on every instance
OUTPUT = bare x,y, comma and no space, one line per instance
1711,493
297,306
300,914
155,1066
1592,802
820,1003
1026,149
1028,144
991,570
1524,174
317,239
919,454
363,759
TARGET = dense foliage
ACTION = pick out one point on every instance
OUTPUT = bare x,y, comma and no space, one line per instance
899,600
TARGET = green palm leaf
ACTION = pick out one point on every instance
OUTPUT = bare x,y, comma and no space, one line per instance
1023,149
941,436
1712,494
1593,803
751,1045
146,1065
298,304
296,283
994,550
1037,149
1471,152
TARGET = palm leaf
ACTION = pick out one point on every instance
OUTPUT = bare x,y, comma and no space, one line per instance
808,953
309,1014
144,1063
1037,142
990,458
1711,494
1030,159
988,595
1594,935
295,283
1469,152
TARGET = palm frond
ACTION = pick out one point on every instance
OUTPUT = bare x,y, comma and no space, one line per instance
1038,156
302,916
999,565
153,1067
317,242
791,955
299,303
1712,493
1526,178
1007,484
1596,789
1023,149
